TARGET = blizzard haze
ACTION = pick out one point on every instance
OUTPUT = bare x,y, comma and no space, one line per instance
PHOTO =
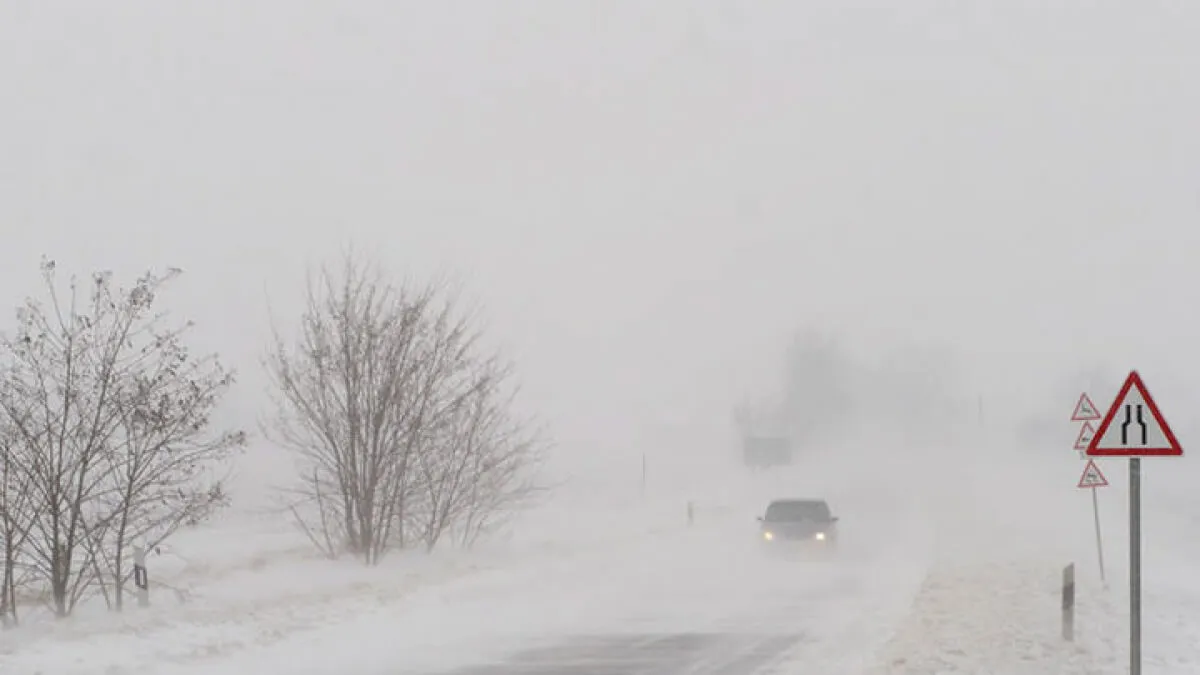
986,208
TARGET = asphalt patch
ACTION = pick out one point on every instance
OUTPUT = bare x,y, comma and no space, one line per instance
657,654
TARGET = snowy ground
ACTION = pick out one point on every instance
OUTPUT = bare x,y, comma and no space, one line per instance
251,582
712,579
1003,619
1007,524
949,573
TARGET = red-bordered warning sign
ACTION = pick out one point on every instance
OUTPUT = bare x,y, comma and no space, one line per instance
1134,427
1092,478
1085,410
1086,434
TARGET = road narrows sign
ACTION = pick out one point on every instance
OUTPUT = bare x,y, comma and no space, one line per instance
1092,478
1085,410
1134,427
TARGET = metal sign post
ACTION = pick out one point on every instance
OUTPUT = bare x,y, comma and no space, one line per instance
1099,539
1085,411
1134,428
1135,566
1093,480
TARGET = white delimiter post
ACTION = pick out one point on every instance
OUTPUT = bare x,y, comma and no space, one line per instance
141,580
1068,603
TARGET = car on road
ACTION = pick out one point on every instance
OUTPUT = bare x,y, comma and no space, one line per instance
807,523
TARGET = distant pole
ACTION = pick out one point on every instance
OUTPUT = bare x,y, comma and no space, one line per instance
643,474
1135,566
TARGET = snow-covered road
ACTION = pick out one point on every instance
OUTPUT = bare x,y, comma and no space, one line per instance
684,600
710,601
649,654
916,588
632,576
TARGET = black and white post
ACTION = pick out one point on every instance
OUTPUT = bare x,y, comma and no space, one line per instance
141,579
1068,603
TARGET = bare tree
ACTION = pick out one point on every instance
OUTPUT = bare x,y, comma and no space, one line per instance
112,414
16,514
371,399
159,466
481,469
344,404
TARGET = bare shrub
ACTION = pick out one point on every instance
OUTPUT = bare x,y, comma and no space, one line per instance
398,420
110,416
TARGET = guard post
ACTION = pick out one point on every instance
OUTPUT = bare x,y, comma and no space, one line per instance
1068,603
141,579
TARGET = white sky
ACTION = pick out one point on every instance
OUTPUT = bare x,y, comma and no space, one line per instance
648,196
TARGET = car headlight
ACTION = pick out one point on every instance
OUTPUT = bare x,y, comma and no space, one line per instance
768,536
820,536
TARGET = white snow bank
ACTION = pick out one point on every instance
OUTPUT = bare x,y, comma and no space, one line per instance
1004,619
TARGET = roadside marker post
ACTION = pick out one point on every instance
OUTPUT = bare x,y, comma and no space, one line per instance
1134,428
141,580
1068,603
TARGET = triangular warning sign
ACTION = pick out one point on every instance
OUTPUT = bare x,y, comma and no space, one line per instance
1134,427
1086,434
1085,410
1092,478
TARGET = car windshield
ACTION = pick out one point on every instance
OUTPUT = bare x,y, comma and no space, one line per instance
797,510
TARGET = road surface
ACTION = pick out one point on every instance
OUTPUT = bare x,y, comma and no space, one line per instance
650,654
709,602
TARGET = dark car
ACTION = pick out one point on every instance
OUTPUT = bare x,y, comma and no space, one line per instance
799,521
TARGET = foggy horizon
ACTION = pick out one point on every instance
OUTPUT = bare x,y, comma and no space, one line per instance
650,214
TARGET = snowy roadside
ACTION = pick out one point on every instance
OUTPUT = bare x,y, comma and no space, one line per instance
242,597
1004,619
992,603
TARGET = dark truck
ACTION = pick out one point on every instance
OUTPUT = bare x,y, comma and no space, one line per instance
764,452
807,522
